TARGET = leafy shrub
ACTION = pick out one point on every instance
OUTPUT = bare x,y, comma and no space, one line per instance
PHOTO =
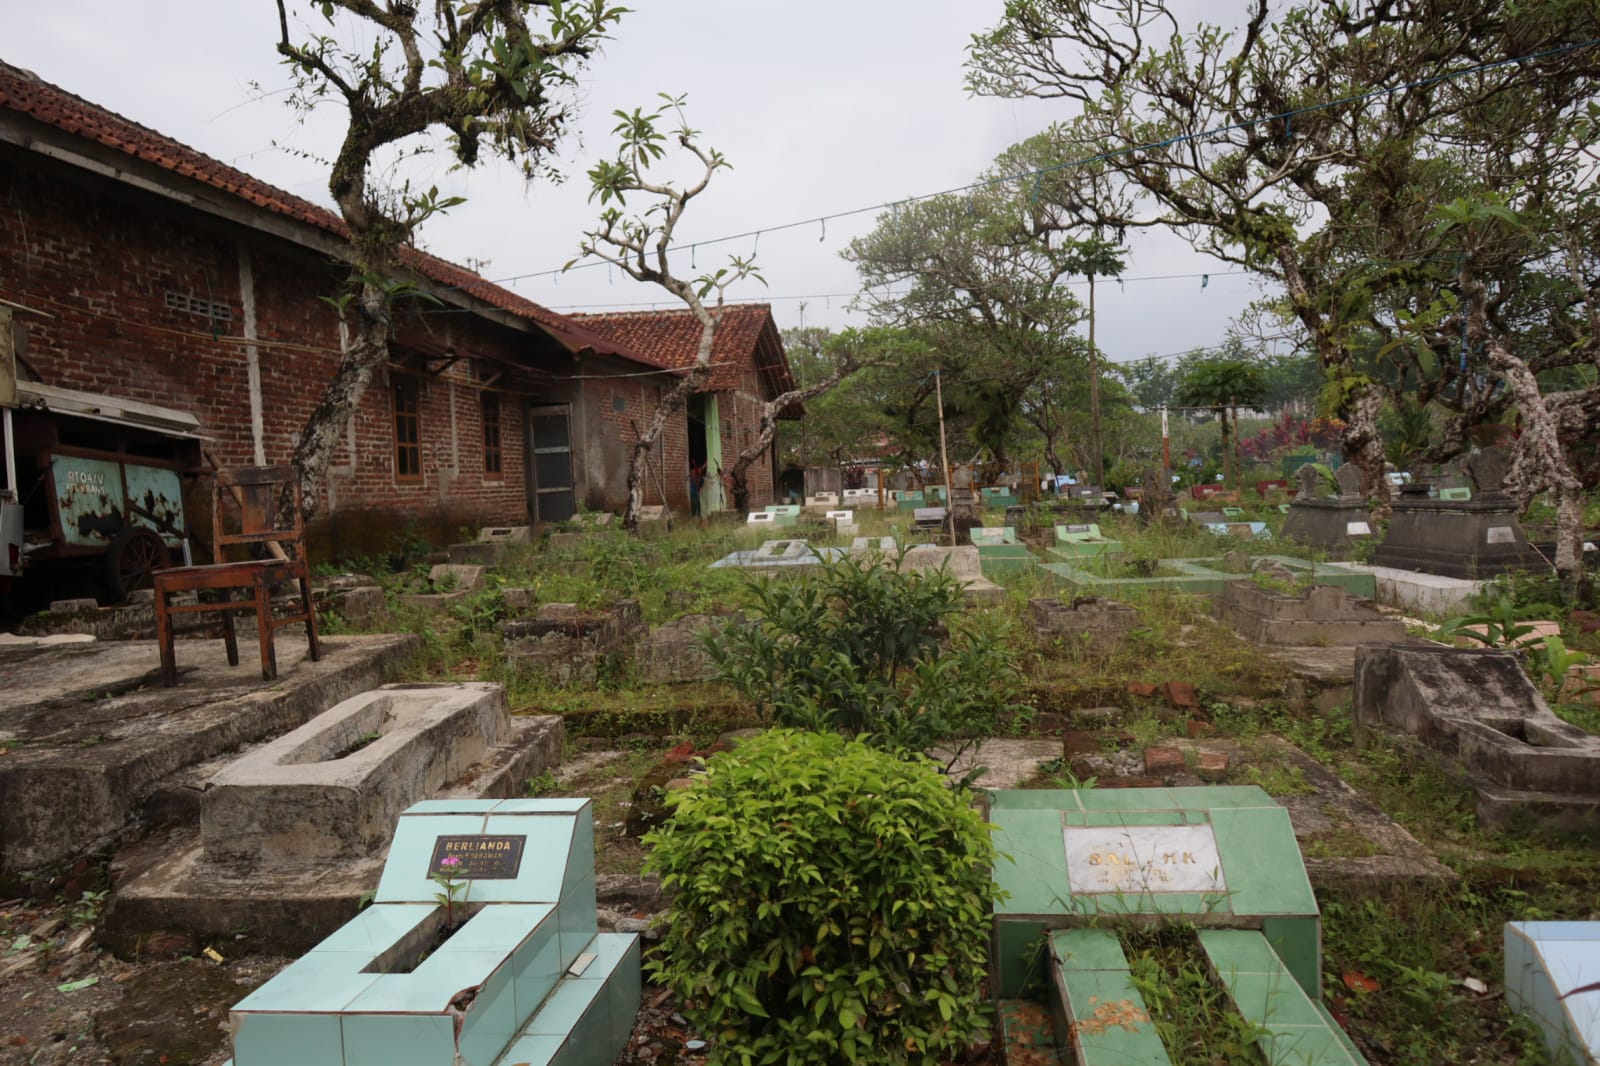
856,648
830,905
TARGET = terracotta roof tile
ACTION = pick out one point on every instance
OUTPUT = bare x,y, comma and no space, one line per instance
24,92
745,335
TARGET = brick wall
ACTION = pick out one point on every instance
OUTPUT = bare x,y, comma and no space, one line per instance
103,260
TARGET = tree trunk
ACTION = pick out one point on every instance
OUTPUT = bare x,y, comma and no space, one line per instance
324,429
1363,445
638,465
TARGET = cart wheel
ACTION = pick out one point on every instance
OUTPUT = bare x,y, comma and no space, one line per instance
135,553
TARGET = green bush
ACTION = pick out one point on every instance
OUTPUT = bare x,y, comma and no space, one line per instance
860,648
830,904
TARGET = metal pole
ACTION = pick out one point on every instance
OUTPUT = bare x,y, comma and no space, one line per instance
11,456
944,457
1166,446
1094,398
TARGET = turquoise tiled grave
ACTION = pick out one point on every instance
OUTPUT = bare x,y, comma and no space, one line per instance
1082,862
1546,961
527,978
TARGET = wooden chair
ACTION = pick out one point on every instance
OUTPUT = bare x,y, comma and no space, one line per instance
267,502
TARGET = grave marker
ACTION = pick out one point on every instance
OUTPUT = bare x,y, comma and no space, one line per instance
1081,863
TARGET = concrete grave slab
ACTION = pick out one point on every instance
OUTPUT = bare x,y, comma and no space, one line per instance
333,787
525,978
1090,624
964,565
293,832
99,736
491,544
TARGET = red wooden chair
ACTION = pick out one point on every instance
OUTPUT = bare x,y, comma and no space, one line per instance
267,502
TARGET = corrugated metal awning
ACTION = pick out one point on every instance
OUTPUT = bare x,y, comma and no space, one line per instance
31,395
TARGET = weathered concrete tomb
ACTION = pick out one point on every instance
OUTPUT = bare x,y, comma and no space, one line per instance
293,832
1321,615
1476,710
1088,623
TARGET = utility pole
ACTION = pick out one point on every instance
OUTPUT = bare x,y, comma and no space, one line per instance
944,457
1094,399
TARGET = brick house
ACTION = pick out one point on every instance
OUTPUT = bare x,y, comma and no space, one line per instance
164,276
748,369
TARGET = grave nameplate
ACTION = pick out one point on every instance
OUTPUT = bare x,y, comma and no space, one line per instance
1501,535
477,857
1143,858
1357,529
1078,529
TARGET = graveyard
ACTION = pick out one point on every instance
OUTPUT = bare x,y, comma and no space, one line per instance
1245,798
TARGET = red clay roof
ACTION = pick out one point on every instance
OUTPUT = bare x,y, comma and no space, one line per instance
746,335
25,92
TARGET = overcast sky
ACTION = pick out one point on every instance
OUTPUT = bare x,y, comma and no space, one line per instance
823,108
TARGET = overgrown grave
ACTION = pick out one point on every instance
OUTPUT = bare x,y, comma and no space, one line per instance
1086,868
1334,525
1471,538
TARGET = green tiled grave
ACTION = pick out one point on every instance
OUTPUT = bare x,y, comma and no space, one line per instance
551,991
1083,541
909,499
1081,862
1203,576
992,535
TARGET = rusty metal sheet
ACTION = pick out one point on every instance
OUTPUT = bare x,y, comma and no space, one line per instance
88,498
155,499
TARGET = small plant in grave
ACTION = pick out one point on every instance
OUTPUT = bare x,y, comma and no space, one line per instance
1502,625
449,890
829,903
860,648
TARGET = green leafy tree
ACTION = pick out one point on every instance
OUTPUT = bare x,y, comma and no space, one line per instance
830,904
490,75
1313,146
981,277
1224,385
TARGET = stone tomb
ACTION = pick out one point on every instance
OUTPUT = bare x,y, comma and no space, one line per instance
1476,710
844,522
859,498
452,580
1330,524
491,546
1092,624
964,565
1223,858
526,979
1321,615
569,644
1474,538
1547,963
999,551
292,832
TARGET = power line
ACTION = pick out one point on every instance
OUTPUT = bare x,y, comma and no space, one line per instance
1185,138
765,298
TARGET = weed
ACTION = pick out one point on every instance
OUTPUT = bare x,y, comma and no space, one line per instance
541,783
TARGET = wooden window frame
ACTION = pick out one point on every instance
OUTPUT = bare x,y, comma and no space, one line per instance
494,456
406,388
